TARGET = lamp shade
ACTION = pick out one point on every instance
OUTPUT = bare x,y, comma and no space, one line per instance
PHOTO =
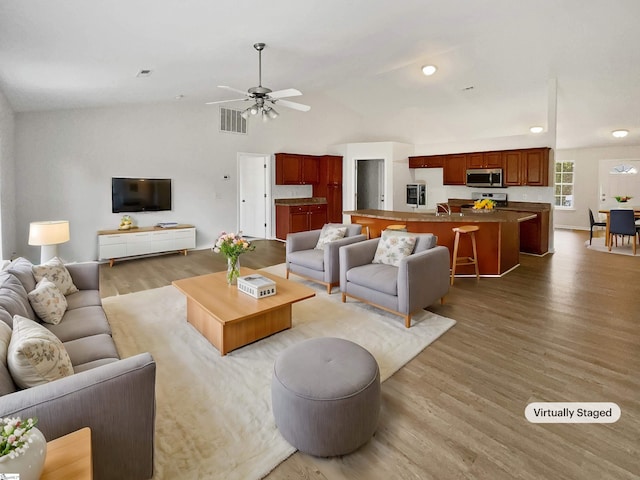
49,233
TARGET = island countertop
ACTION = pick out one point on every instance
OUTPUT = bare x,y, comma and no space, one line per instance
466,216
498,237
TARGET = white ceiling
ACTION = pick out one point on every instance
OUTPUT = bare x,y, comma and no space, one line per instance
365,54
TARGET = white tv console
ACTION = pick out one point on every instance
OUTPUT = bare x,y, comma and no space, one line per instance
113,244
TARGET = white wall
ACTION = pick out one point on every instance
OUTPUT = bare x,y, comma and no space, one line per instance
586,188
7,180
396,170
65,161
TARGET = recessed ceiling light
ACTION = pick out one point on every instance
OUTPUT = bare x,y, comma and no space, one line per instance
536,129
620,133
429,69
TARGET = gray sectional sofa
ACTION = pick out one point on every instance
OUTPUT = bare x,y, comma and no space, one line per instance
114,397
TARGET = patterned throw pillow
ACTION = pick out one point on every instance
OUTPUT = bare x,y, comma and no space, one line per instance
330,234
36,356
48,302
56,272
393,247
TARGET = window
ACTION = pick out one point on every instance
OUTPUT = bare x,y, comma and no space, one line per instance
564,184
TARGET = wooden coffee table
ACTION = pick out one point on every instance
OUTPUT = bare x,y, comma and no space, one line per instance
230,319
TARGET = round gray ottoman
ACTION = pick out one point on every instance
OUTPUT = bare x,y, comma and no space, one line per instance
326,396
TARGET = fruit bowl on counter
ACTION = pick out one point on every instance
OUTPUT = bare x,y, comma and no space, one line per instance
486,205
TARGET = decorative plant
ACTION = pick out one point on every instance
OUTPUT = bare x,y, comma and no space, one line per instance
126,222
484,204
623,198
232,245
14,437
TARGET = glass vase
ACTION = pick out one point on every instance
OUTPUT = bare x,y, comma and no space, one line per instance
233,270
30,463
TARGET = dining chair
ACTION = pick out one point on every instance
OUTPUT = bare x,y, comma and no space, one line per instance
593,223
622,222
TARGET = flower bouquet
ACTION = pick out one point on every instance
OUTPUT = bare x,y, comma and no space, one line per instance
22,448
232,245
623,198
14,437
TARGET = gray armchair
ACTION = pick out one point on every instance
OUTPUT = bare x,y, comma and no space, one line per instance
420,279
320,266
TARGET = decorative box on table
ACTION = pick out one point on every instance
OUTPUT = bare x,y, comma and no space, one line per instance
257,286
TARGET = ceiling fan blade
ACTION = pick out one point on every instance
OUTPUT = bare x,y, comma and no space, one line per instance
227,101
294,105
233,89
289,92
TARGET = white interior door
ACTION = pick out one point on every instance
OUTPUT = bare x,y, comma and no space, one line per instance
253,194
370,184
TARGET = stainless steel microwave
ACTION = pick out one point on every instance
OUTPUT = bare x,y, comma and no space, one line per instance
484,177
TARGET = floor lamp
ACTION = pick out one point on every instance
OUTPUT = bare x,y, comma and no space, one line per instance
48,235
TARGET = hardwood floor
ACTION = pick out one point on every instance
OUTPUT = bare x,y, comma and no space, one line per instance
564,327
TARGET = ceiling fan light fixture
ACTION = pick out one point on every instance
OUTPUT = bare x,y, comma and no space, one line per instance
536,129
254,109
620,133
245,113
272,113
429,70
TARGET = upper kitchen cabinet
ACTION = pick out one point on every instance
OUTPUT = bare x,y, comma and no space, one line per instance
484,160
430,161
536,163
527,167
331,169
294,169
455,169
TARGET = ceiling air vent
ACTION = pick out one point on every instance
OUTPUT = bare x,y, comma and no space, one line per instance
231,121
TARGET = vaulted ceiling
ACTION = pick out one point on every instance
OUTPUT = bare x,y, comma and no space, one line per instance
500,62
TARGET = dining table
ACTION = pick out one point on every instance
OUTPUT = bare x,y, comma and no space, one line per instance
607,212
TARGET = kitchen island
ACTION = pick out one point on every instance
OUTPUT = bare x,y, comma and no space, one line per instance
498,238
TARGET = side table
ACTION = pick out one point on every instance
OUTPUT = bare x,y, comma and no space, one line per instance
69,457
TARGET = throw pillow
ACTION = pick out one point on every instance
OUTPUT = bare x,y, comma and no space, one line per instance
5,339
48,302
330,234
56,272
393,247
36,356
22,269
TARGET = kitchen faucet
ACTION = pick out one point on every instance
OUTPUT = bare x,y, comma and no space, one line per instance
443,208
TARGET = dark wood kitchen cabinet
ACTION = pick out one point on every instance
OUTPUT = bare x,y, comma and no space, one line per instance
430,161
534,234
484,160
523,167
455,169
295,169
299,218
329,186
526,167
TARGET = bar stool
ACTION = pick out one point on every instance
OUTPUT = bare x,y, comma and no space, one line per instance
464,229
396,228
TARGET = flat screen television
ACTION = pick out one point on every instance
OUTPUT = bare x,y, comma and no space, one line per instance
140,194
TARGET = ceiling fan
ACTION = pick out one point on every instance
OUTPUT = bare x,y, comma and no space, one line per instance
263,95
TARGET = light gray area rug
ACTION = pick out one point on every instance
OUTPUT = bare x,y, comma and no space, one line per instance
623,248
213,417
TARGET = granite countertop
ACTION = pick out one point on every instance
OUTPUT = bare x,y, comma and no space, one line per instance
300,201
511,206
468,216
